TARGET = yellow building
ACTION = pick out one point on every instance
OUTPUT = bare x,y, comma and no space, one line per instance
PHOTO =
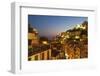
37,51
33,38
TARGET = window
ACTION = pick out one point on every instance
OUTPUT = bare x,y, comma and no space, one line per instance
48,55
36,57
29,59
42,56
29,42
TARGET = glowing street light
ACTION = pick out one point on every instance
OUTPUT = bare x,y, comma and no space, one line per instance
77,37
45,42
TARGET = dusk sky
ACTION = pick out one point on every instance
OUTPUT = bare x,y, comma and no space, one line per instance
51,26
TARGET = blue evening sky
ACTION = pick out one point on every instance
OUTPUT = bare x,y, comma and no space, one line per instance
50,26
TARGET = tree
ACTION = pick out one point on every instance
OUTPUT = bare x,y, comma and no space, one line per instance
85,23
